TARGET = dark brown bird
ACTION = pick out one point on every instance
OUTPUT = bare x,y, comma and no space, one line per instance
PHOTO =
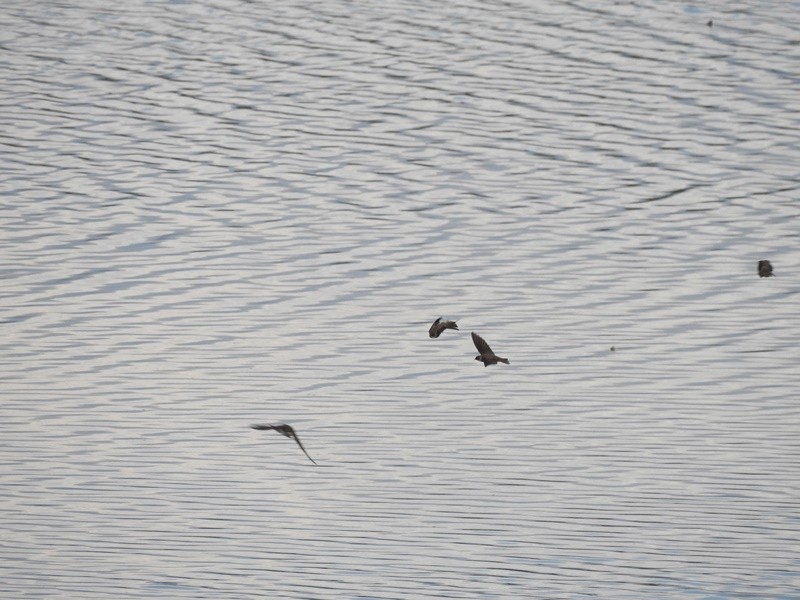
486,355
439,326
288,432
765,268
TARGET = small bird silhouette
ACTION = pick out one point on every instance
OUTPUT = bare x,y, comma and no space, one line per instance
439,326
486,355
765,268
288,431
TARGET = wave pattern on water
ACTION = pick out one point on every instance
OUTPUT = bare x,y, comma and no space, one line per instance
222,213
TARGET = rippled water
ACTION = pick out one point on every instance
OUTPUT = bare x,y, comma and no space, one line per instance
219,213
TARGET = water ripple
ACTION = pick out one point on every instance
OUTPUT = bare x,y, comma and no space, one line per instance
218,214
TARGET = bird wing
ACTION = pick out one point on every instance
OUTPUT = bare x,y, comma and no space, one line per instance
262,427
297,439
481,344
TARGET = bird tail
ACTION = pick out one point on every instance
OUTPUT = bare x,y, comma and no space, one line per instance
503,360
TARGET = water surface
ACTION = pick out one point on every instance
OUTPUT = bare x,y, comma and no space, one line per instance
219,213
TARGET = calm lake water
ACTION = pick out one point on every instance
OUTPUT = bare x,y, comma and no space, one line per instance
219,212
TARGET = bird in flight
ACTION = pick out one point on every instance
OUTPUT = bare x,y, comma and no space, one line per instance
765,268
288,431
439,326
486,355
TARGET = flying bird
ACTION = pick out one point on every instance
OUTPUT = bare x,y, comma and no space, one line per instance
439,326
486,355
765,268
288,431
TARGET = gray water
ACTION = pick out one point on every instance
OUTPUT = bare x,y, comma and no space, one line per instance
221,212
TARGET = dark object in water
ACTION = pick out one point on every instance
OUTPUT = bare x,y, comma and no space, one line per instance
765,268
288,432
439,326
486,355
710,23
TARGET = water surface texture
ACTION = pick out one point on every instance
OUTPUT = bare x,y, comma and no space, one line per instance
216,213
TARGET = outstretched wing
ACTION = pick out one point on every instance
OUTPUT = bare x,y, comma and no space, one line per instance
481,344
262,427
297,439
